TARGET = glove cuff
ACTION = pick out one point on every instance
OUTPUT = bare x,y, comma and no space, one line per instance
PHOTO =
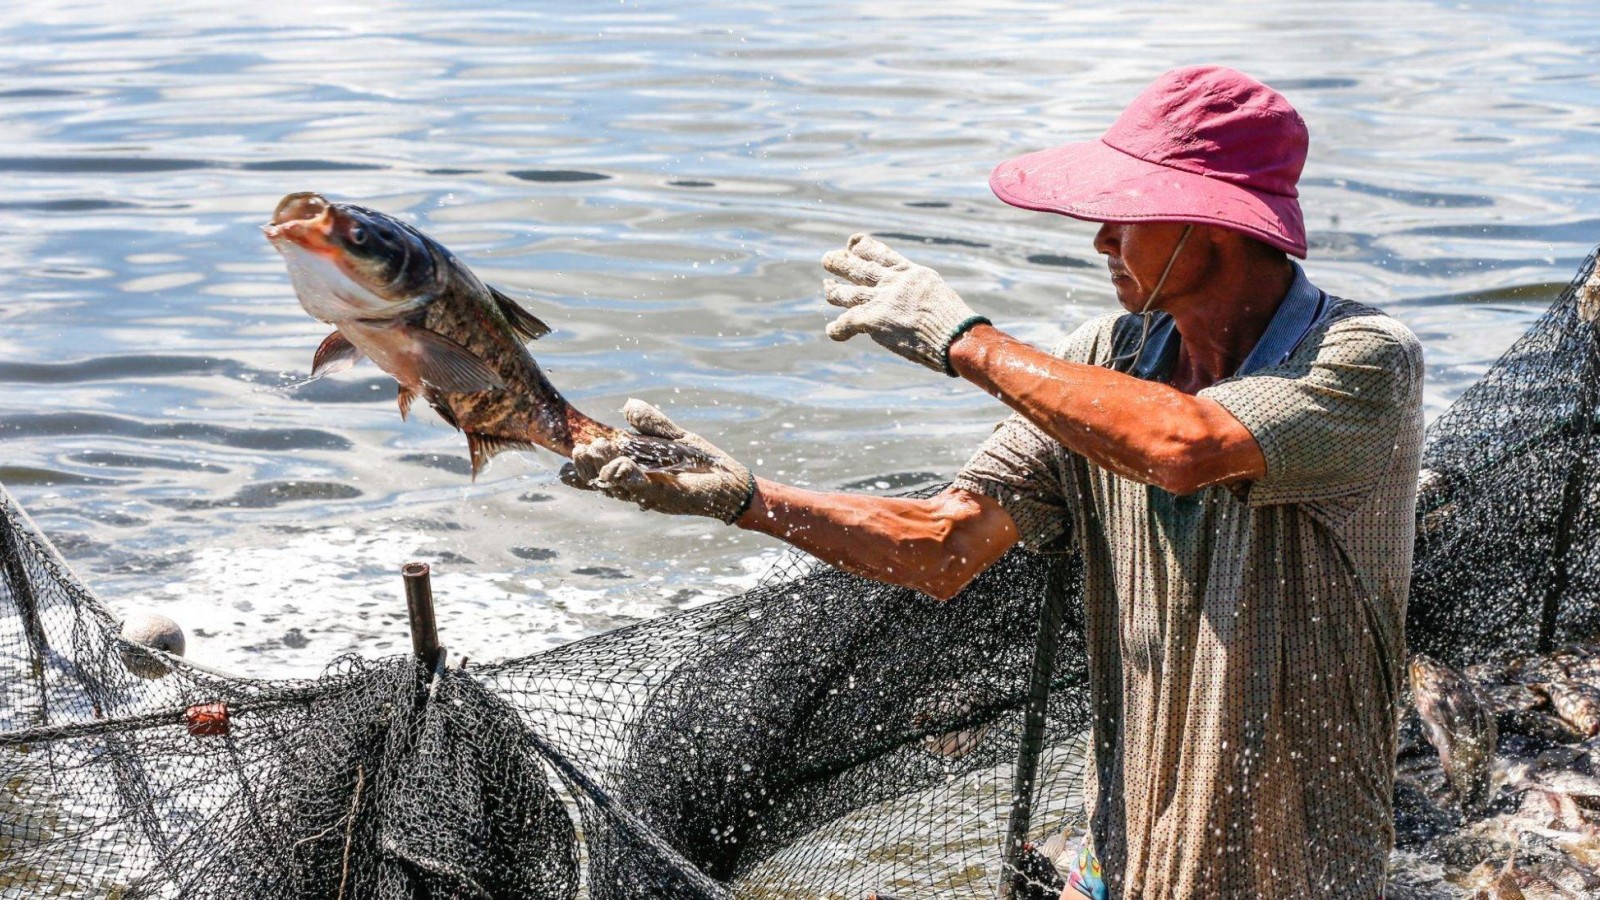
963,327
749,498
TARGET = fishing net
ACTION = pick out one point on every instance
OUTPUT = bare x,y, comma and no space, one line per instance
1508,524
818,736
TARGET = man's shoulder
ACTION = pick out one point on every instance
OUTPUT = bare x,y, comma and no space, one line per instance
1354,317
1350,326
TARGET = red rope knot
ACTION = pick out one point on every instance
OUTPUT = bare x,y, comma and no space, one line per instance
207,719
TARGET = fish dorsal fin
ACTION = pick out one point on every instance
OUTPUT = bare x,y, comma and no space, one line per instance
334,354
524,323
483,447
448,366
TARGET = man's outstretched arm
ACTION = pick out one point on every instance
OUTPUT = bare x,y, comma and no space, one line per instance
1143,430
936,545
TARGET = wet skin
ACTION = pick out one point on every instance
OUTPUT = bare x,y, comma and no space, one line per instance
1222,291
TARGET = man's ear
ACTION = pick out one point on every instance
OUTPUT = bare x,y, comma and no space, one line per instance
1203,254
1241,245
1217,243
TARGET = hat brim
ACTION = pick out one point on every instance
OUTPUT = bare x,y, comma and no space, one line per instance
1099,183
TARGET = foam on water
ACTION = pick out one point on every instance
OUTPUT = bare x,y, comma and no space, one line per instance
292,606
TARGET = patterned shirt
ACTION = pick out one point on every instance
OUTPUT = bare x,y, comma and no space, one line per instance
1245,645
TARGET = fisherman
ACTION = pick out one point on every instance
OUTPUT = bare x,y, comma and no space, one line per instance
1236,460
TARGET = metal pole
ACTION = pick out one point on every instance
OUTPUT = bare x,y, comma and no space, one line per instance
1033,735
419,608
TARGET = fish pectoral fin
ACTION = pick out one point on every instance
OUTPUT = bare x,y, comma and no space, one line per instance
407,395
448,366
334,354
483,447
524,323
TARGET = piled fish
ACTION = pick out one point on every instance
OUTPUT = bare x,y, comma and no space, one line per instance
1497,792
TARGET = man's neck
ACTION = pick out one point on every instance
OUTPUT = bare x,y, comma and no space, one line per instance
1217,330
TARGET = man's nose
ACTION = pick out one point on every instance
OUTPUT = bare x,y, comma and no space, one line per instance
1107,240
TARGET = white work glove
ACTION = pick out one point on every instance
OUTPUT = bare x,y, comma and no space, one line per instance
904,307
722,491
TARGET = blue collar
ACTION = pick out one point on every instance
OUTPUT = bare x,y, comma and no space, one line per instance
1300,310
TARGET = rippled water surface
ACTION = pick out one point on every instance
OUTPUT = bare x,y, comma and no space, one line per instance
657,180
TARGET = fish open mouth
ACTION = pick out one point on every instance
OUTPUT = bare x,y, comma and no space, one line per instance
305,218
306,228
295,207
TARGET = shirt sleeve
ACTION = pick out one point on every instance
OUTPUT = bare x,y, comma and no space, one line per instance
1328,419
1021,467
1017,467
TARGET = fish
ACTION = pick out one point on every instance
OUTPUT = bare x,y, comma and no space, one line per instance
1538,886
400,298
1513,697
1583,789
1553,810
1460,726
1034,875
1576,878
1577,704
1058,848
1488,673
1540,881
1544,727
1536,669
1589,297
1504,887
1586,670
955,744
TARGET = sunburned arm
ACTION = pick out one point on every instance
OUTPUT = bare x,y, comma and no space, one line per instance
1143,430
935,545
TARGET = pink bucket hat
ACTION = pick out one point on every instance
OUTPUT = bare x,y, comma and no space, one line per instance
1204,144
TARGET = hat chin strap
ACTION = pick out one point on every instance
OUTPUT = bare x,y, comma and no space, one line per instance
1144,311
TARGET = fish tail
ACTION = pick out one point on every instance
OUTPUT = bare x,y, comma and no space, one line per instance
653,453
583,430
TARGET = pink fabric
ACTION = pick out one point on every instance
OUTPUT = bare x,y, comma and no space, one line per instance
1204,144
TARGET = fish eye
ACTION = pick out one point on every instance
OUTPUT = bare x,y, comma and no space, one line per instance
357,235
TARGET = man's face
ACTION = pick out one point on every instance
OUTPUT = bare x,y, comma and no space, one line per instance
1137,255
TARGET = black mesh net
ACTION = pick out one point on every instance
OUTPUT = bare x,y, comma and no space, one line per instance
1508,523
818,736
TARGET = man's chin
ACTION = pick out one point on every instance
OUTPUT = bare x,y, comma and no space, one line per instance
1130,303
